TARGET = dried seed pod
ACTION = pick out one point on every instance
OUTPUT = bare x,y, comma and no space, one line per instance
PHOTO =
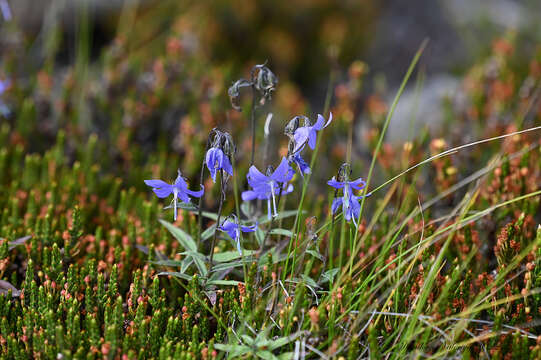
234,92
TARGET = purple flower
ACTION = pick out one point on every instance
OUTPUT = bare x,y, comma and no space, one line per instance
266,187
348,201
358,184
217,160
179,189
5,9
303,166
4,85
351,207
309,133
233,230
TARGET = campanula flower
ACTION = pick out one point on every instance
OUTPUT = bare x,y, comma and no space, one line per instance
349,201
266,187
358,184
217,160
5,9
179,189
350,206
308,134
303,166
233,230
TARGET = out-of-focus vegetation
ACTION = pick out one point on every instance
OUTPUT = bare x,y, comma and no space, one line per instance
444,263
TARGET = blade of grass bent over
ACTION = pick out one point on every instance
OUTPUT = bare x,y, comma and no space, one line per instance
382,135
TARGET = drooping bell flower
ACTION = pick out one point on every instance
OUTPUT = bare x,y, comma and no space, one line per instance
294,148
218,156
349,201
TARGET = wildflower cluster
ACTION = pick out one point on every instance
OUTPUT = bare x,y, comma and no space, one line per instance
270,186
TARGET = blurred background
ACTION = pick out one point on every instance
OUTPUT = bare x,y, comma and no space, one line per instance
149,76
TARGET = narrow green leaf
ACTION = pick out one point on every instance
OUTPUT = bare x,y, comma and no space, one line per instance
309,281
167,262
259,235
176,274
247,339
316,254
185,263
282,232
230,265
266,355
183,238
207,234
329,275
199,261
227,256
223,282
233,350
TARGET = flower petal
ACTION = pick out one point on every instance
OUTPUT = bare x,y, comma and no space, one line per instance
358,184
336,203
210,160
213,172
180,183
301,137
156,183
226,165
335,184
160,188
304,168
355,207
282,173
320,123
228,226
163,192
254,175
251,228
312,139
198,193
249,195
288,189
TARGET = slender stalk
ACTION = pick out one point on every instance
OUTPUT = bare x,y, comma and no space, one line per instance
331,236
222,198
237,208
200,204
252,121
270,224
